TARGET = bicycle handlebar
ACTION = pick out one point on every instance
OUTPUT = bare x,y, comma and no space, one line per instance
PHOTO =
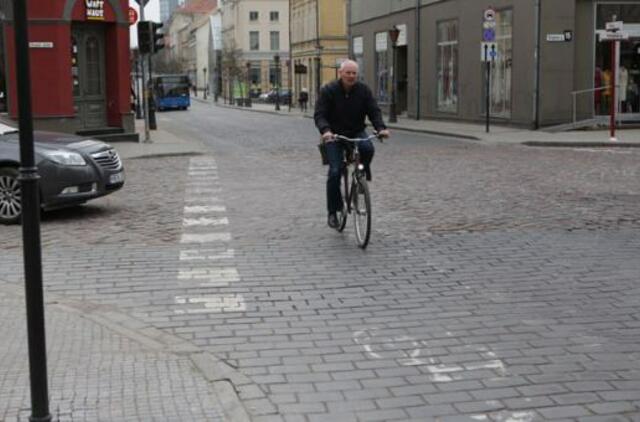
368,138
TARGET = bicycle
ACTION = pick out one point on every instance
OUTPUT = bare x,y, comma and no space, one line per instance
356,198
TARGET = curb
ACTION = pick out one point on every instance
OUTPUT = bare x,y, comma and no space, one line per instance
579,144
559,144
223,378
390,126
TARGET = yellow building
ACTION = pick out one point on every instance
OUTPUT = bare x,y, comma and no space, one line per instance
319,43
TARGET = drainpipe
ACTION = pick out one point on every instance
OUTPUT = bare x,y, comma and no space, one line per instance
536,105
417,53
318,50
349,41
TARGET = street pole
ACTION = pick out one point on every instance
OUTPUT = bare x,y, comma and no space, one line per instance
139,93
487,87
145,87
152,105
248,102
204,70
32,250
394,33
276,59
614,104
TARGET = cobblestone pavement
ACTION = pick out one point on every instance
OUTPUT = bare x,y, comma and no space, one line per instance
500,283
97,374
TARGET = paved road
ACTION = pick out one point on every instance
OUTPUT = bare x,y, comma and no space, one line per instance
500,283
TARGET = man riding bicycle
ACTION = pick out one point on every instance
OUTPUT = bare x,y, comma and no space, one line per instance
341,108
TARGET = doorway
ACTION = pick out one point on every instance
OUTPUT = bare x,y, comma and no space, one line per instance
88,72
402,80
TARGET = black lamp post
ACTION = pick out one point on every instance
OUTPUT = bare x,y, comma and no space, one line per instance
206,85
276,59
248,100
29,186
394,33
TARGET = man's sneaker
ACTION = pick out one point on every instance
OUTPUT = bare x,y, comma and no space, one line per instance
333,221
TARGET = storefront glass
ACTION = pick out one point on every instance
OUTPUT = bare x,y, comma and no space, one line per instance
358,55
382,68
448,66
628,57
501,67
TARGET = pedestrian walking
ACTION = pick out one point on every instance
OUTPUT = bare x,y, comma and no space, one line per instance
303,99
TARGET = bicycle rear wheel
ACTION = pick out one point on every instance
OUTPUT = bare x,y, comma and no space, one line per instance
344,192
361,211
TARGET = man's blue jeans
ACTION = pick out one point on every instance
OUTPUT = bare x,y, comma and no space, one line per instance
335,153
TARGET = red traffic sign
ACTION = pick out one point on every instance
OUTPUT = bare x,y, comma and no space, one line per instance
489,15
133,16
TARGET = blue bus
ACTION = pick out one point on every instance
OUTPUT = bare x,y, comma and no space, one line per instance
171,92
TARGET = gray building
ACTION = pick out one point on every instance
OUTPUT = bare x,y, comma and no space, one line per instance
548,53
167,7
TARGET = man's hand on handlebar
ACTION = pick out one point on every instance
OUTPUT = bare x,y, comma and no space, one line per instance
328,136
384,134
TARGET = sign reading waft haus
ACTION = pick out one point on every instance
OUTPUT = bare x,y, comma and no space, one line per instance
95,9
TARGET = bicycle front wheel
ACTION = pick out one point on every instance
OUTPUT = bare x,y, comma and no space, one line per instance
361,211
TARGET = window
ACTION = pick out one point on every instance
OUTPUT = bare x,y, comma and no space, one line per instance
500,84
255,79
274,16
274,37
254,40
382,68
358,53
273,75
253,16
447,66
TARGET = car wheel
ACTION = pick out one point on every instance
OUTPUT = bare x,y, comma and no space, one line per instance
10,196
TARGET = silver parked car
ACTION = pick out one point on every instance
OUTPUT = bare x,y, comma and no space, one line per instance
72,171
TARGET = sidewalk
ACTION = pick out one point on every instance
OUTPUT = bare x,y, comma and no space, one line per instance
477,132
162,143
104,365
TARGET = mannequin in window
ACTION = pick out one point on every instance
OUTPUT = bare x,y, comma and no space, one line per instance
597,95
624,86
606,93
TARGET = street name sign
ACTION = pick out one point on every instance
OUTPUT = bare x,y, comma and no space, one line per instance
614,36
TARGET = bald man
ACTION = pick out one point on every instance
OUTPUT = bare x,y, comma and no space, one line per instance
342,107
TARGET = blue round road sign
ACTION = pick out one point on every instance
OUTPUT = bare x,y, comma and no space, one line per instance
489,35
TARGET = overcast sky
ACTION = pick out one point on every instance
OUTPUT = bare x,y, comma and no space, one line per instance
151,13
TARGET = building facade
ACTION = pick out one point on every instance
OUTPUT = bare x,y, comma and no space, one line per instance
167,7
319,43
255,54
554,56
80,68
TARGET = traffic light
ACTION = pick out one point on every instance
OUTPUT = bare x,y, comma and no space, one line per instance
144,37
158,36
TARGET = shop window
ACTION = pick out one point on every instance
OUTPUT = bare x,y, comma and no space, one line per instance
358,53
501,66
447,66
255,79
254,40
382,68
75,71
628,78
93,67
273,75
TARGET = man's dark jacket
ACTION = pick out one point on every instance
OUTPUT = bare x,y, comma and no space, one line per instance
344,112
